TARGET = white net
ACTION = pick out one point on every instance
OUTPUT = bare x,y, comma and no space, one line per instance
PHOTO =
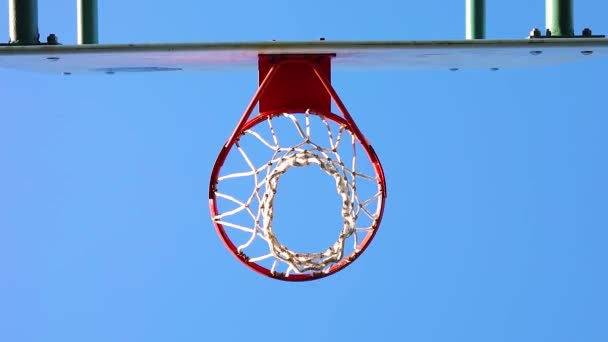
247,185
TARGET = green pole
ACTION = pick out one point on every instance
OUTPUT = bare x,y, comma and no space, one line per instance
23,22
558,18
87,21
475,19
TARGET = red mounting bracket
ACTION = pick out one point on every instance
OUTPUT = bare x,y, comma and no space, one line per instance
295,84
292,83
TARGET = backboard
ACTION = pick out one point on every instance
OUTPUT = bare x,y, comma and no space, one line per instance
446,54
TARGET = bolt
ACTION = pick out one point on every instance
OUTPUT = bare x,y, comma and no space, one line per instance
587,52
453,69
67,73
53,59
52,39
535,52
535,33
587,32
548,33
322,38
494,69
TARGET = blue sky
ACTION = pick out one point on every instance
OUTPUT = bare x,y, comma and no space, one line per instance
494,227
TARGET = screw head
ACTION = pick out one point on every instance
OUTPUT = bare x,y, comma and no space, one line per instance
535,33
587,52
587,32
535,52
52,39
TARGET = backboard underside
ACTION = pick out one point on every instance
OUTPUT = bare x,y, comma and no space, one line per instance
460,54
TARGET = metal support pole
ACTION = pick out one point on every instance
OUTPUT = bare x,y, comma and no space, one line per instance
475,19
23,22
558,18
87,21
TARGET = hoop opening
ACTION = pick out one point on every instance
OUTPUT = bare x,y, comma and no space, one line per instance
307,214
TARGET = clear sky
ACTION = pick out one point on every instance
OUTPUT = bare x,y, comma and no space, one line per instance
495,227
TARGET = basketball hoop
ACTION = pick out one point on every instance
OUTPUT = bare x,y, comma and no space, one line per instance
247,173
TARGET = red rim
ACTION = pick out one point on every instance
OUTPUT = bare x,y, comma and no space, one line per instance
373,158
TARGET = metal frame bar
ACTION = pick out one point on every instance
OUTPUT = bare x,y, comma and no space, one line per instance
558,18
23,22
87,21
475,19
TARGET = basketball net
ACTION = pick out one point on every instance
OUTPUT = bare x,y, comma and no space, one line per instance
248,217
